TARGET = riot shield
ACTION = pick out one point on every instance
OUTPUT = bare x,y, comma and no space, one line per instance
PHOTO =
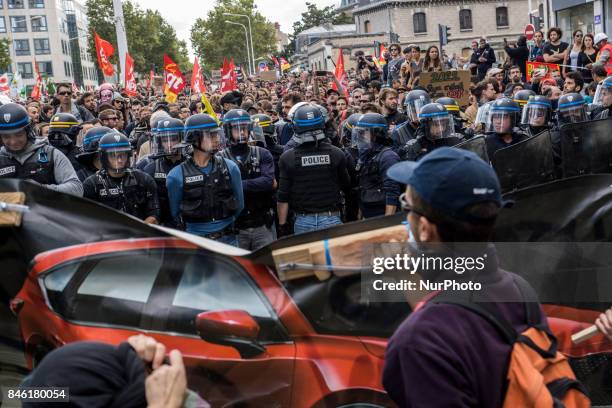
586,147
477,145
526,163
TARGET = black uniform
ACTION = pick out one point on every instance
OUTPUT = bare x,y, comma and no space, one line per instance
496,142
158,169
311,177
135,193
85,171
376,190
421,145
38,167
351,197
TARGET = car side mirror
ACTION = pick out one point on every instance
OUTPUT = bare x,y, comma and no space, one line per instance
234,328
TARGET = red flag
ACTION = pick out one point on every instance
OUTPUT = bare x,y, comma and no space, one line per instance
284,64
197,82
150,80
276,64
4,83
381,58
340,74
174,81
228,76
37,90
234,76
130,81
105,50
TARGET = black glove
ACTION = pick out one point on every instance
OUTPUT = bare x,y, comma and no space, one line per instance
284,230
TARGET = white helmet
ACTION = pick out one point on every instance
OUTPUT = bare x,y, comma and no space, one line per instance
599,37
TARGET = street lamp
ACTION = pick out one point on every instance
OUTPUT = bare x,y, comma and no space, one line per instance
246,38
250,35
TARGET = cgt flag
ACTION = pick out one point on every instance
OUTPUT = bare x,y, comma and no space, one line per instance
130,81
174,81
105,50
197,82
381,58
340,74
284,64
37,90
226,77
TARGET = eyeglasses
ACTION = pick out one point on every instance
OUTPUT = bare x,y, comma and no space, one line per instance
578,35
64,93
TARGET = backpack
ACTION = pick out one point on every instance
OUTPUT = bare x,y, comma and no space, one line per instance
538,375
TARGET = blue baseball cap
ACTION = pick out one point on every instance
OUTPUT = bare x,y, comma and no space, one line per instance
449,180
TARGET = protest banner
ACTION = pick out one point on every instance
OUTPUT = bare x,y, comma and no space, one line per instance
540,70
454,84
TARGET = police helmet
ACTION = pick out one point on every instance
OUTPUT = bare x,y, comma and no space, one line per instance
308,123
237,126
199,126
265,122
115,152
438,122
63,129
370,128
451,105
572,108
13,119
347,129
522,97
413,103
166,137
91,142
603,94
258,138
503,116
537,112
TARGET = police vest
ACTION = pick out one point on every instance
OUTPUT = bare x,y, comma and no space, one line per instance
257,204
608,64
160,174
38,167
71,152
371,193
315,187
207,197
125,194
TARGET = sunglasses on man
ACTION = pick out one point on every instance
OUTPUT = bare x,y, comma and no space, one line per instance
64,93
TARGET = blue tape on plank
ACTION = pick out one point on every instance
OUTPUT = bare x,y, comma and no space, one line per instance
327,254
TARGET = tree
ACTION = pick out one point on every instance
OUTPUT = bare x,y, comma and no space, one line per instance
148,34
213,39
5,54
314,17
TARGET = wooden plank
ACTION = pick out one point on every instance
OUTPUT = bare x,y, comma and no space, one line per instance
11,218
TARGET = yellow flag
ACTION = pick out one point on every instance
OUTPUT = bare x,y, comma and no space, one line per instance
208,108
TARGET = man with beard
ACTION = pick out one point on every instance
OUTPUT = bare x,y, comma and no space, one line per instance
388,99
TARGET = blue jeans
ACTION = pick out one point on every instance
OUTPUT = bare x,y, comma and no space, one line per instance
228,239
306,223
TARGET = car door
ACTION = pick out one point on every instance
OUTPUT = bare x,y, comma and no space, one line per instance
202,281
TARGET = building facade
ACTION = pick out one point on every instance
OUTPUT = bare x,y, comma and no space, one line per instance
45,32
594,16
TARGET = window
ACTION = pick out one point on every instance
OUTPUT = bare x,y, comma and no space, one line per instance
39,23
18,24
465,19
419,23
15,4
45,68
67,68
367,26
1,4
501,16
34,4
25,69
2,25
22,47
41,46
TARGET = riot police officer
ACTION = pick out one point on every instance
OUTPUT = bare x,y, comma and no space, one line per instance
413,103
351,198
63,131
119,186
328,130
378,194
269,131
436,129
522,97
454,109
257,172
89,157
500,125
311,176
571,109
23,157
165,155
537,115
602,100
205,190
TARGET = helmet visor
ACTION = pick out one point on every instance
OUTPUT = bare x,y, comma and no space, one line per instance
117,160
500,121
166,143
573,113
413,107
603,95
210,141
361,138
441,127
536,115
483,113
239,132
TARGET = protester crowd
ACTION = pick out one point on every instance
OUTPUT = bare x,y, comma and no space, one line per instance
269,159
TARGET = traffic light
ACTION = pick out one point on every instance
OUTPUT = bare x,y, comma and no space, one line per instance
376,49
443,34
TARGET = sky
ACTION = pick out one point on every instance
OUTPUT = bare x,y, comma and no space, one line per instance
181,14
